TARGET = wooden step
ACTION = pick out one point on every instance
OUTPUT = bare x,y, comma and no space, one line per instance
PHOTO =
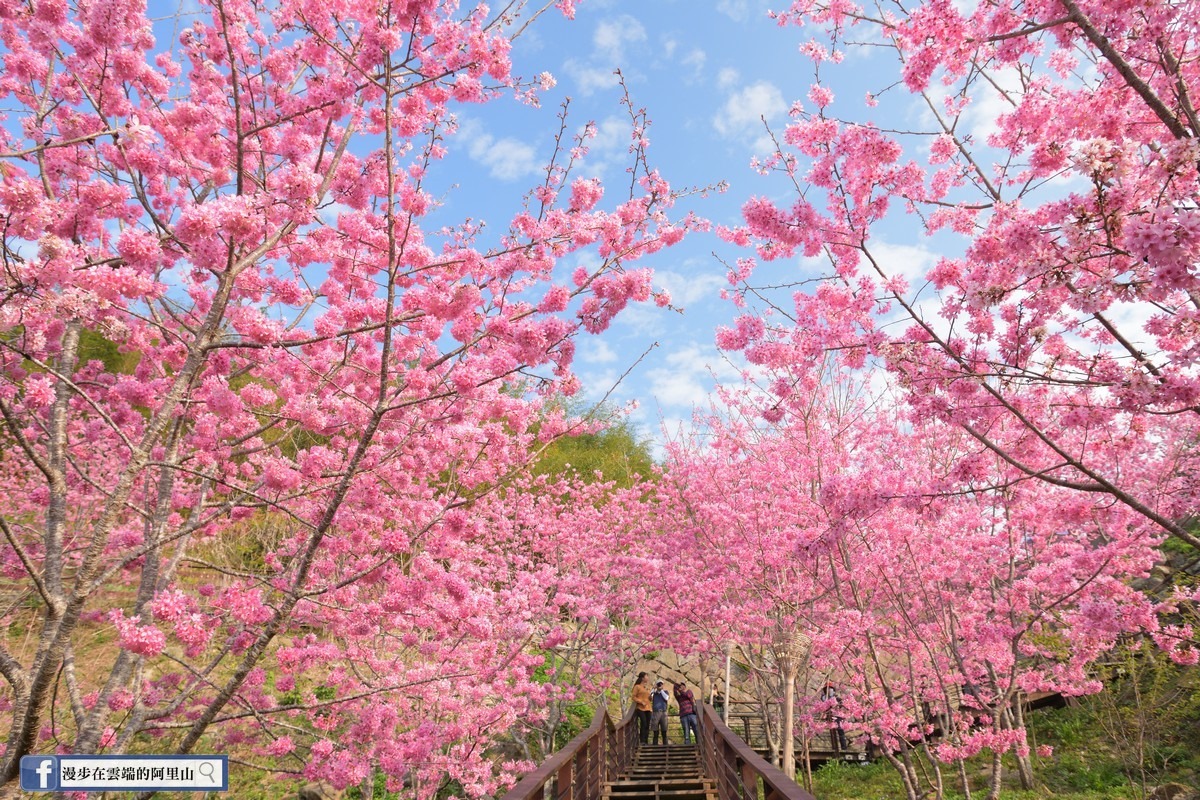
667,766
657,792
663,772
654,793
631,785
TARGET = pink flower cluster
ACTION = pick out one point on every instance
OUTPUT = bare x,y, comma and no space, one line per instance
145,640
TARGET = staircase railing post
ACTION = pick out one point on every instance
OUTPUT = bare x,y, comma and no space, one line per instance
738,770
602,754
564,783
749,782
591,780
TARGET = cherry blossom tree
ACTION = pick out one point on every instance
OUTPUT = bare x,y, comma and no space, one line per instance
748,523
1060,325
312,373
966,599
935,585
1056,331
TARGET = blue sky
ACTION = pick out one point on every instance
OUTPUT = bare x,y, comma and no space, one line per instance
707,73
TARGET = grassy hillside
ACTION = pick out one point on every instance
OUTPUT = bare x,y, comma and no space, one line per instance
1105,748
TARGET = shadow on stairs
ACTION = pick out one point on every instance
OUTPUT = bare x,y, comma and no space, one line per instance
663,772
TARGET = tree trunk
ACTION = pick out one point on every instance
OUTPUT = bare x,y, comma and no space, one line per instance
806,752
964,781
789,720
906,774
997,776
1016,715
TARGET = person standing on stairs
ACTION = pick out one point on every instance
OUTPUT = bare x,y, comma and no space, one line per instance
837,735
658,711
687,713
641,705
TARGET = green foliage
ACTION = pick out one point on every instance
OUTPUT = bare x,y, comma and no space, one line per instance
1141,731
245,544
291,697
291,438
617,453
449,789
576,714
1062,727
1053,643
1150,713
378,790
94,347
1074,778
838,779
1174,546
1082,770
296,694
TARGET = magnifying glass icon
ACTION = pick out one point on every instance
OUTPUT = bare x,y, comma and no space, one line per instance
208,770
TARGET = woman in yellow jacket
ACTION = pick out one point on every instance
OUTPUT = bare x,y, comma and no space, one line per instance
641,705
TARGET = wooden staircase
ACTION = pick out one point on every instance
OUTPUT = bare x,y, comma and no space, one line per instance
663,772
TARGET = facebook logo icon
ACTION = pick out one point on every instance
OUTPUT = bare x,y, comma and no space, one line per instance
39,773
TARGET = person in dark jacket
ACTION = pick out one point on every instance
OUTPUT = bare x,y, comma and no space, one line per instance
658,712
687,713
837,736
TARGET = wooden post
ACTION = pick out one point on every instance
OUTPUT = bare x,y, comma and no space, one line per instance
564,782
591,775
749,781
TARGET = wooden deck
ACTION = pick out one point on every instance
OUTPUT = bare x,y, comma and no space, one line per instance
746,720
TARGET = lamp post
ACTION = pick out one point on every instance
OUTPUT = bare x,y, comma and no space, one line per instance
790,654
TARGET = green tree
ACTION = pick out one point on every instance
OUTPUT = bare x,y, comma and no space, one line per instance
616,452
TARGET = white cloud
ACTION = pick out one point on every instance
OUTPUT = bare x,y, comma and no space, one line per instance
645,318
746,10
983,115
611,37
608,149
688,377
904,260
611,40
727,78
598,385
612,135
988,102
590,78
910,262
745,110
737,10
695,60
691,288
596,351
1131,320
506,159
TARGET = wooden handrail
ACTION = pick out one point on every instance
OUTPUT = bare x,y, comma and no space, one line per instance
737,769
578,771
